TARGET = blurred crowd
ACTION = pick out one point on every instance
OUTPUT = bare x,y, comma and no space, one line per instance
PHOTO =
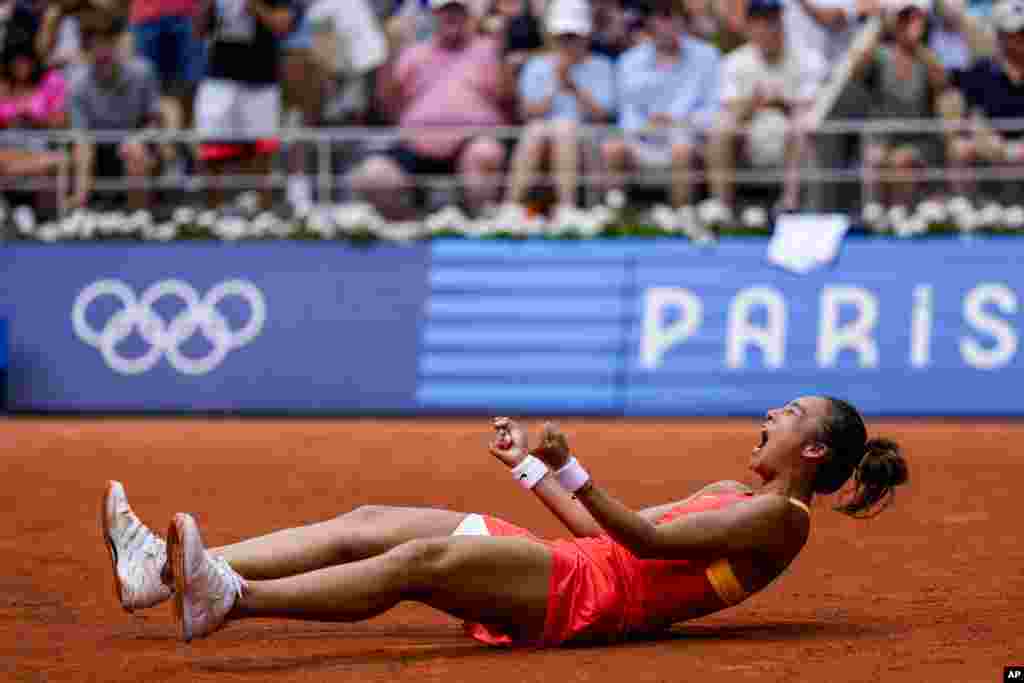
682,91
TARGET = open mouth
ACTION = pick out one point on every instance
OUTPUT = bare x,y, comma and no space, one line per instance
764,440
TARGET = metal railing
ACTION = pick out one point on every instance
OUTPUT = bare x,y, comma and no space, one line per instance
326,144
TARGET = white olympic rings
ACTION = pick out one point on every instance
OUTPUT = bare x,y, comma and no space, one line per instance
166,337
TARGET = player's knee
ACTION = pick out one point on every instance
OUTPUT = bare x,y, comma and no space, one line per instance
422,561
483,156
365,514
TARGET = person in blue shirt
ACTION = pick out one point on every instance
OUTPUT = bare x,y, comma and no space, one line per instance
988,90
668,96
559,91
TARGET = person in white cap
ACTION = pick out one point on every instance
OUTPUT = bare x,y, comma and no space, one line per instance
557,91
904,78
451,82
991,88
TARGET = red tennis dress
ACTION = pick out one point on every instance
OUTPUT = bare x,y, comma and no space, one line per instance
601,591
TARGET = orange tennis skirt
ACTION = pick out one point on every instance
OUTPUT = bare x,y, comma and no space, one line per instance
591,596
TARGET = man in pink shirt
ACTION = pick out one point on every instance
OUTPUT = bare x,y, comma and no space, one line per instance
454,79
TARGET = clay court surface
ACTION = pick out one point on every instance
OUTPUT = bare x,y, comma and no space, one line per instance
929,591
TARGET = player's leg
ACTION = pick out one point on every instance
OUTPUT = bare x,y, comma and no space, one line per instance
364,532
138,555
500,581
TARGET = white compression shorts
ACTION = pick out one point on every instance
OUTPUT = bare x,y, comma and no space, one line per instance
472,525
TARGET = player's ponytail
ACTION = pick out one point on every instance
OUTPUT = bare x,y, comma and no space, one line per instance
876,465
880,470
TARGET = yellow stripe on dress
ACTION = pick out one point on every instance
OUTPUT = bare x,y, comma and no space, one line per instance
725,583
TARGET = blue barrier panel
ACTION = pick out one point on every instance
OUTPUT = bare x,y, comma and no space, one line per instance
3,364
523,326
927,327
277,327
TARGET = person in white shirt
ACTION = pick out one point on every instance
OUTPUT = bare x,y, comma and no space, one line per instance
767,90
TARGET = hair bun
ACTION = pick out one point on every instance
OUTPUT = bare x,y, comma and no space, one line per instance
880,470
883,464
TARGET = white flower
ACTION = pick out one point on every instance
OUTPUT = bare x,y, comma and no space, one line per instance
49,232
25,219
665,218
959,206
873,214
401,231
109,223
508,217
165,232
141,218
712,212
567,219
754,217
231,228
932,212
249,202
969,223
896,218
282,229
914,225
320,223
207,219
262,224
1014,217
184,215
615,199
990,215
448,218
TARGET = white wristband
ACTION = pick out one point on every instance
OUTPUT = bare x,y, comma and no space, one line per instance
572,476
529,472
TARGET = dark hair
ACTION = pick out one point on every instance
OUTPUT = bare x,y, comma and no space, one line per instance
16,49
876,465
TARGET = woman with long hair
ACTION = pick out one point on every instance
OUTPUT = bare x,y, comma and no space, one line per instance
625,572
32,98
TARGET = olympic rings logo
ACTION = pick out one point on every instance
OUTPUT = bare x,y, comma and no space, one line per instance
165,338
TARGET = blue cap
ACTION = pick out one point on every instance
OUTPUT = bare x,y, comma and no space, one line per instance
763,6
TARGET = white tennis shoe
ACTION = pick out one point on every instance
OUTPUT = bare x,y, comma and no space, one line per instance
136,553
206,587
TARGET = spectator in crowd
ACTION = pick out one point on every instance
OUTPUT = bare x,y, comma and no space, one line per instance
521,33
557,91
455,79
113,92
668,98
19,23
611,36
990,88
59,39
349,46
164,33
31,98
302,97
768,86
904,78
239,101
824,26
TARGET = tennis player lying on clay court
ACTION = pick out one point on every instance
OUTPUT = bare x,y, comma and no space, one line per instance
626,572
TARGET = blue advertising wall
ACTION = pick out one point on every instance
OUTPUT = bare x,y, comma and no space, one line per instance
289,327
460,326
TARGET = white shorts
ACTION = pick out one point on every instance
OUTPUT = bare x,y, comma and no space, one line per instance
231,109
657,154
472,525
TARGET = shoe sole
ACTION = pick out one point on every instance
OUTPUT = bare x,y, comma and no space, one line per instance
176,555
105,520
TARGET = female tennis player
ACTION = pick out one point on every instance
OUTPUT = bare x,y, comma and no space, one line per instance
625,572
